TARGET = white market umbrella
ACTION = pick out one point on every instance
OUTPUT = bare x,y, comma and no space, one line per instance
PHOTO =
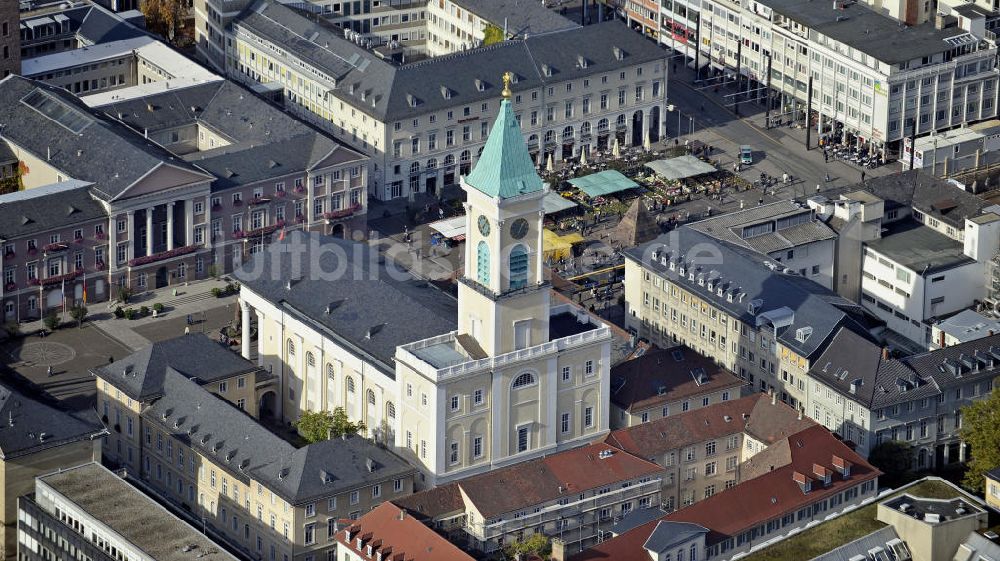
616,149
646,144
583,158
549,165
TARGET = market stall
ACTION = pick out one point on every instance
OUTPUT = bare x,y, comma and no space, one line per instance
450,231
556,247
681,167
603,183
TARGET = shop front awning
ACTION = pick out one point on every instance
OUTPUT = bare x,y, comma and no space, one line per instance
554,202
603,183
450,228
680,167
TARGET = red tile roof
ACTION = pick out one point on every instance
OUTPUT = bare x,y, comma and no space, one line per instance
657,377
754,414
757,500
398,536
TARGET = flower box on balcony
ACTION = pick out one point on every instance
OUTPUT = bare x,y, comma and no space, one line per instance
216,207
100,236
300,218
78,239
259,201
59,279
239,234
32,251
100,265
34,282
55,247
342,213
9,255
300,189
9,287
238,202
163,255
280,194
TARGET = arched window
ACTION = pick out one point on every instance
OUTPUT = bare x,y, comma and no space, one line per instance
518,267
602,125
449,161
465,156
483,264
550,137
310,359
621,120
522,380
329,371
585,128
415,168
291,349
432,163
567,134
371,397
350,384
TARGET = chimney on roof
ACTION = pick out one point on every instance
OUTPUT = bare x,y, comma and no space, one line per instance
402,514
800,413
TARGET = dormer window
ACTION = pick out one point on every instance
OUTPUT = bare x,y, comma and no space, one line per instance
445,92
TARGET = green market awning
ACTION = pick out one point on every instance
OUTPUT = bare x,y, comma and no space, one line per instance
554,202
603,183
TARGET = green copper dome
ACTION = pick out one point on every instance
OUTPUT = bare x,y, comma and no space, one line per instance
505,168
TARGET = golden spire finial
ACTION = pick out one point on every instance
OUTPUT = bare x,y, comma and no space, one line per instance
507,77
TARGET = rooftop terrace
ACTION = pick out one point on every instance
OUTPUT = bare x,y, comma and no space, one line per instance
852,525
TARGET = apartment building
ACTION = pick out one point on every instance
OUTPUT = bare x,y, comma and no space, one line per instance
763,322
110,66
425,123
786,232
38,438
955,151
863,77
204,454
503,378
388,531
459,25
922,248
808,478
571,494
10,40
203,186
89,511
869,398
48,31
702,452
664,382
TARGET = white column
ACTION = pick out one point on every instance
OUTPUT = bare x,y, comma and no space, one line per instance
208,225
133,236
170,225
149,231
245,335
112,260
539,249
188,222
260,343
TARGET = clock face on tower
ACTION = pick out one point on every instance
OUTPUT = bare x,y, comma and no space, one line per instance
484,226
519,228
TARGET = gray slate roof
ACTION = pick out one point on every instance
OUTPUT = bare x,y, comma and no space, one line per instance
668,534
104,151
919,248
386,92
862,28
522,17
59,205
265,141
243,446
142,374
372,308
729,227
28,425
924,192
743,271
888,381
133,515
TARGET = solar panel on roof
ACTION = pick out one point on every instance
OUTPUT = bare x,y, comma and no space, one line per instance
57,110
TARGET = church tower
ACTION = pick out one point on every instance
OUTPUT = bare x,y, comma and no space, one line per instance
503,299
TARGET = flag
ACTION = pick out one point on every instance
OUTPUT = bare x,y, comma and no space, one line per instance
63,292
85,289
281,235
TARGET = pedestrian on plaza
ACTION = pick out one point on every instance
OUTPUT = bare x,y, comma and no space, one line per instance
187,330
817,188
828,178
862,176
48,372
784,177
826,157
111,359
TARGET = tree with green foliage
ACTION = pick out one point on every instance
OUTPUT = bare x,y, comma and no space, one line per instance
981,430
315,426
895,459
52,320
492,34
535,544
78,313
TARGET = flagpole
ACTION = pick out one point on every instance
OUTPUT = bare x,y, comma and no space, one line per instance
63,294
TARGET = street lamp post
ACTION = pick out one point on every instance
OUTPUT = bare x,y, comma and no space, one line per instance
671,108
